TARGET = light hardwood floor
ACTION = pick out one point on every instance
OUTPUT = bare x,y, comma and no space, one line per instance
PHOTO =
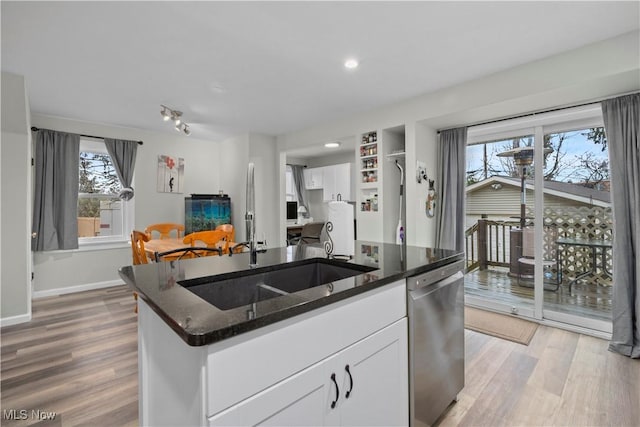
78,358
560,379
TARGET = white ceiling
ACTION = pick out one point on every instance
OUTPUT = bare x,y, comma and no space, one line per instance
275,67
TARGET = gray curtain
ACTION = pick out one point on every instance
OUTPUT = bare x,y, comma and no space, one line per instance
451,183
55,206
622,126
298,182
123,154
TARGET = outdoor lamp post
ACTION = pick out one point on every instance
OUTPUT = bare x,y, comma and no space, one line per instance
523,157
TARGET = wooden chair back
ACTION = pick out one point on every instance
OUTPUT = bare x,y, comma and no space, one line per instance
210,238
137,247
231,232
311,232
164,230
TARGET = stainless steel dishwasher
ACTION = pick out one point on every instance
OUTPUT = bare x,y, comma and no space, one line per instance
436,341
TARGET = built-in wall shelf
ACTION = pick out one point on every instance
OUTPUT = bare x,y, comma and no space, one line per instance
395,154
369,157
378,188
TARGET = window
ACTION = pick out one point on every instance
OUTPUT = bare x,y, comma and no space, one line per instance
102,215
580,157
483,160
290,191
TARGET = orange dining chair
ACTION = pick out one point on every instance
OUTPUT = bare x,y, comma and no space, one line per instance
231,235
228,228
211,239
164,230
137,247
139,255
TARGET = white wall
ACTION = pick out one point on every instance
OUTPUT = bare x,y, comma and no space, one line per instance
596,71
232,161
262,152
15,202
62,271
236,153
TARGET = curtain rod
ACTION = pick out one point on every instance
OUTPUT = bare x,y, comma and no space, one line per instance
35,129
533,113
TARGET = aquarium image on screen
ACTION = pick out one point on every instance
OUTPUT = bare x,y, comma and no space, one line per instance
206,213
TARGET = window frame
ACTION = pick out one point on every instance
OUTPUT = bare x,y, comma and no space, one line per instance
290,197
103,242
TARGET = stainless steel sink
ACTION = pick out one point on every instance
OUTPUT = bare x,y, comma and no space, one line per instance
270,282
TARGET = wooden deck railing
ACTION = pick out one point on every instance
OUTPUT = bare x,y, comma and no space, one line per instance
487,244
471,247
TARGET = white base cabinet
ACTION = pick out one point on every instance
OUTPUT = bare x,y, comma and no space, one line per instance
281,374
362,385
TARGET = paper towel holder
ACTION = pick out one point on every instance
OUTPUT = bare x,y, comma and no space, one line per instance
328,244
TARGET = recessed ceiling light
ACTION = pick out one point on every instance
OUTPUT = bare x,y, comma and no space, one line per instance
351,64
332,144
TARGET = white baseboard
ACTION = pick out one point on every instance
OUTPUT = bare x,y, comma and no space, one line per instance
14,320
78,288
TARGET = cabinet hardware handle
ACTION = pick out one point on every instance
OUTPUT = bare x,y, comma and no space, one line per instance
346,368
333,378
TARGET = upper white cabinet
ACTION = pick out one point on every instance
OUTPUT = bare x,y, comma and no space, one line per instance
313,178
332,180
337,180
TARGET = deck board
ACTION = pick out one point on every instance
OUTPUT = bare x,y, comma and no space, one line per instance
585,299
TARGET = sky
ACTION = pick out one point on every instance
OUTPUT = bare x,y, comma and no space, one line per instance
575,146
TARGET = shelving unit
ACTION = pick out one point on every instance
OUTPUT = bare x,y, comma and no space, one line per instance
378,185
368,202
369,157
369,172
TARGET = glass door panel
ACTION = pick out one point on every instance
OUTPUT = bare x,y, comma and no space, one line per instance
578,227
499,195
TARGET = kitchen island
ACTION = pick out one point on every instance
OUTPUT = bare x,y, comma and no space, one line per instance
331,354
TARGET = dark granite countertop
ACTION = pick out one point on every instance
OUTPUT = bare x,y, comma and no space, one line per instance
198,322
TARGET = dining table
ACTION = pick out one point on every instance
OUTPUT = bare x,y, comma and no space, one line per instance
159,246
597,247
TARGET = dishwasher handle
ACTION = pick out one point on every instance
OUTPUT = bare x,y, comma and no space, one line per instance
431,277
429,289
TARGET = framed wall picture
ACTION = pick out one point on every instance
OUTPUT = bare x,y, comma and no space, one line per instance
170,174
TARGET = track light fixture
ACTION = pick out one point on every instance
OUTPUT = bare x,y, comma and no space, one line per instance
175,116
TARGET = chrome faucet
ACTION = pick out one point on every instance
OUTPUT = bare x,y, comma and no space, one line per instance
250,223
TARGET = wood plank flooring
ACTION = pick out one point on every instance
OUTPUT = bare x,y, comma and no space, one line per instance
560,379
78,358
585,299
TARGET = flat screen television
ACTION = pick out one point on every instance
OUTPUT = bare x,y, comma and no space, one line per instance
205,212
292,210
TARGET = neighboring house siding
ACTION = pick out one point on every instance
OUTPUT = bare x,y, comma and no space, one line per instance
505,202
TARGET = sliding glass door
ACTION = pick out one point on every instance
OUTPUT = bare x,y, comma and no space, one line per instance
539,218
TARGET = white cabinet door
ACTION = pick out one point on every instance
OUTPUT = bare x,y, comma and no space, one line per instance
329,184
342,174
337,180
377,380
303,399
313,178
